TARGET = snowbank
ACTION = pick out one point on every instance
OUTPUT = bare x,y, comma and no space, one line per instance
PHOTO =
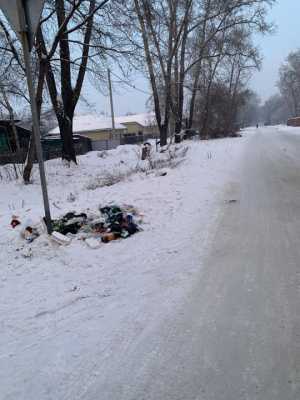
288,129
69,314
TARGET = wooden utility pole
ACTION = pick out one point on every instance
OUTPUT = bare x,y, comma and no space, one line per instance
111,105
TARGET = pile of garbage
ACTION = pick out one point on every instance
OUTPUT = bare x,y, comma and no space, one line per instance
112,223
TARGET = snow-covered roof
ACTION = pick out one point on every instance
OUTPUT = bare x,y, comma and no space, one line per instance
90,123
144,119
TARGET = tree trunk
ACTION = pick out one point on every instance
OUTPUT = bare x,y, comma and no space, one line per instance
31,156
204,130
150,64
178,125
181,79
193,102
163,135
206,111
66,132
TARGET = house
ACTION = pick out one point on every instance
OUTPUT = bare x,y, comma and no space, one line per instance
129,129
7,137
97,129
52,145
295,122
139,125
8,141
4,146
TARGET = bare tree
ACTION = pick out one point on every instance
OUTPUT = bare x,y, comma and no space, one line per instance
73,38
176,40
13,85
222,88
218,19
276,110
63,45
289,82
161,25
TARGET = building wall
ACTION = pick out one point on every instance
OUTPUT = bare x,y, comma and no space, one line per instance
294,122
52,147
3,143
151,130
133,127
7,138
105,144
102,134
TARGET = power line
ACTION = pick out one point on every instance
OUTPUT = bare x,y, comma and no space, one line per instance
111,104
130,85
148,93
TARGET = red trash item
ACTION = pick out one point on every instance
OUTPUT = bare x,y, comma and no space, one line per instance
14,223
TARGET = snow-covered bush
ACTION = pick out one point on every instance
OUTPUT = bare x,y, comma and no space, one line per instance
108,179
170,158
10,172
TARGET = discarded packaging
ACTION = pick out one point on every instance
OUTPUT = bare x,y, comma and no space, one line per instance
60,238
30,234
93,243
14,222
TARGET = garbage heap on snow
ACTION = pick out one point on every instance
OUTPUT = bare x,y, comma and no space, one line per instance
113,223
110,223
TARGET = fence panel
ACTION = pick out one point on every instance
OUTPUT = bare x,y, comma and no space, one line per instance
105,144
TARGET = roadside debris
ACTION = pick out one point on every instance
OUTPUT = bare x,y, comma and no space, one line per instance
30,233
110,223
161,173
15,221
26,229
92,242
118,223
113,223
69,223
60,238
231,201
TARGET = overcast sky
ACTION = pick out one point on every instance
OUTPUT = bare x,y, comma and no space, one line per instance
274,48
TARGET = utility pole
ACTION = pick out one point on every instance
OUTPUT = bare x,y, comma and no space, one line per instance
24,35
111,104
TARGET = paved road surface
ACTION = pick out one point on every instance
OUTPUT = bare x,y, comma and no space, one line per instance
238,334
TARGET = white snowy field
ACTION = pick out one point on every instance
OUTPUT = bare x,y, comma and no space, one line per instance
279,128
287,129
68,315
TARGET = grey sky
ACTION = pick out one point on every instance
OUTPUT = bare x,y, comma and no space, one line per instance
126,99
274,49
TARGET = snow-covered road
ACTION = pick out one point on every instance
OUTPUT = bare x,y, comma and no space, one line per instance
236,333
78,323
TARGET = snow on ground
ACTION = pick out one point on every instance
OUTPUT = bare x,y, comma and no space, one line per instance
279,128
69,314
287,129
